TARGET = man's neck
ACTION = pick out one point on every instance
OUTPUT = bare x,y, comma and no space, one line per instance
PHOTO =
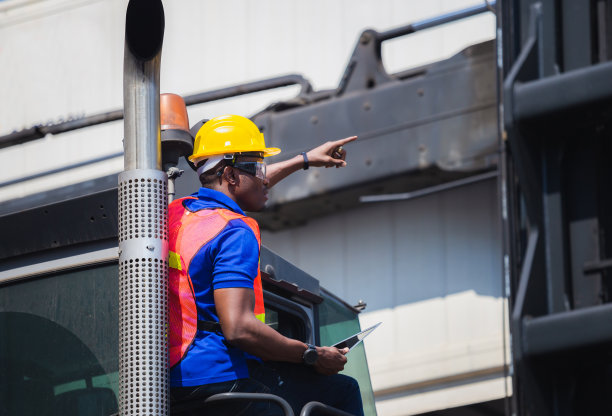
224,189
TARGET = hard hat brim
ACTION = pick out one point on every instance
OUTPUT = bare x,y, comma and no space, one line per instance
268,151
271,151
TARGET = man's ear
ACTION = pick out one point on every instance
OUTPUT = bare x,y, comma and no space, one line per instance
229,174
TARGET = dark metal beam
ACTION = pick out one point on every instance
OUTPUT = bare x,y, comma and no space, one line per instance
577,31
249,88
554,231
561,93
40,131
567,330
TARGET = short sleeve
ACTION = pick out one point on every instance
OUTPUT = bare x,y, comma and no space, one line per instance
235,257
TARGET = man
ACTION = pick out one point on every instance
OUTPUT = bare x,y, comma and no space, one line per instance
218,339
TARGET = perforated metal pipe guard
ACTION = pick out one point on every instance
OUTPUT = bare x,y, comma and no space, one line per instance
143,293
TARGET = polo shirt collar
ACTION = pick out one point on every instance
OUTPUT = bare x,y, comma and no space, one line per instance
224,201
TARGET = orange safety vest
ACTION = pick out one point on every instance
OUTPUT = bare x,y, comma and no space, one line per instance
188,232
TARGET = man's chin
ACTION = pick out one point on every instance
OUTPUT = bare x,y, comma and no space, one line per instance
258,208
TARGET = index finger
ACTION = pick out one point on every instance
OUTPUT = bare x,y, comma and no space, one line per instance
344,141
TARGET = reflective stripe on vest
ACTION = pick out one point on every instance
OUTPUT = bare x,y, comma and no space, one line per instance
188,232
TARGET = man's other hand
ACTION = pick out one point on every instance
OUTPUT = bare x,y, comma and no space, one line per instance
330,360
330,154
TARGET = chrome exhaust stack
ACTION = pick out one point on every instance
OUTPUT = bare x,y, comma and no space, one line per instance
144,33
143,221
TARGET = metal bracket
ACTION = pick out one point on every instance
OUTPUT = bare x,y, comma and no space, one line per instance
526,67
174,172
523,288
365,68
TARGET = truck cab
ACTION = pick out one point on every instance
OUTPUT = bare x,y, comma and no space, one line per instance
59,304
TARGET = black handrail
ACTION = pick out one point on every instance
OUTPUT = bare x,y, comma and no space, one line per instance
322,409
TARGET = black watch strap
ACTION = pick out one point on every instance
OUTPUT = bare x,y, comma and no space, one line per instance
310,355
306,164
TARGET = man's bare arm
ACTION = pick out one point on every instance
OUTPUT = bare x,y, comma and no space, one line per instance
241,329
318,157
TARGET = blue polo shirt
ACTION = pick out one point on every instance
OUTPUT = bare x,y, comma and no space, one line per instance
231,259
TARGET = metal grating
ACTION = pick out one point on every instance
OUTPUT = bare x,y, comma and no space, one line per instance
144,201
143,288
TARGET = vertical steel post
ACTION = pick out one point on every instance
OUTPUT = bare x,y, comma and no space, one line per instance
143,223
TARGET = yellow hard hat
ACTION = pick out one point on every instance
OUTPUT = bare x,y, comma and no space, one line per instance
229,134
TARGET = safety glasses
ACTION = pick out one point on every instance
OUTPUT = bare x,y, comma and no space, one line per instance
257,169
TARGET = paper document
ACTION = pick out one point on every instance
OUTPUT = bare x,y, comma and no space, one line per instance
354,340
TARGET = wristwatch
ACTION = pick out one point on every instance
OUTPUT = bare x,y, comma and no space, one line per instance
310,355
